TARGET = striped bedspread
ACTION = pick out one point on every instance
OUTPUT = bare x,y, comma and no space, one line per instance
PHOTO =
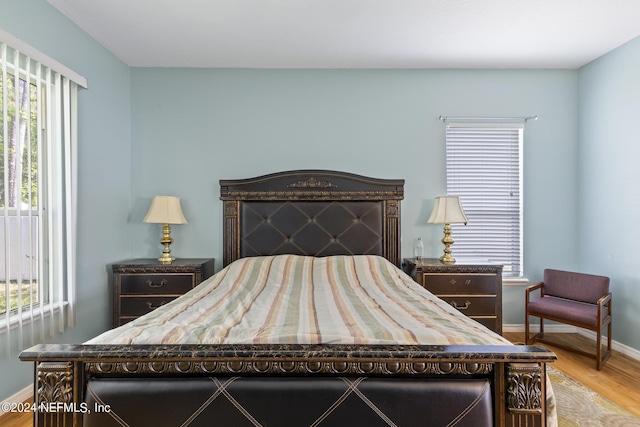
305,300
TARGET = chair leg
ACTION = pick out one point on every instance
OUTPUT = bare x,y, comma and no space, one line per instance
530,338
602,357
599,348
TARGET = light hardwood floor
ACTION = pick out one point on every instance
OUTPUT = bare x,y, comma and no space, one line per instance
16,420
619,380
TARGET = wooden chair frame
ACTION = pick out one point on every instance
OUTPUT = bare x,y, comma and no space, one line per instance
602,321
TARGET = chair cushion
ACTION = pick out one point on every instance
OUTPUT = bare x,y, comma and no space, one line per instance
583,287
564,309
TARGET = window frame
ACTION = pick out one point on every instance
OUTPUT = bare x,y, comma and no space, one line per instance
484,161
57,90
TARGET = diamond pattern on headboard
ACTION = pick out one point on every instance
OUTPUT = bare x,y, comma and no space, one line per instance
311,212
311,228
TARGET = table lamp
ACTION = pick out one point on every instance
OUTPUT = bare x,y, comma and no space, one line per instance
447,210
165,210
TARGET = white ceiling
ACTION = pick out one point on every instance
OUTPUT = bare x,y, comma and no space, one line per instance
357,33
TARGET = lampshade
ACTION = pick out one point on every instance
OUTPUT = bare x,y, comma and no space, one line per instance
165,210
447,210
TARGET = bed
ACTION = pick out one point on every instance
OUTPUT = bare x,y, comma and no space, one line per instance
305,359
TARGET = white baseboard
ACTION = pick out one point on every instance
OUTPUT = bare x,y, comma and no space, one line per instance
621,348
24,394
567,329
556,329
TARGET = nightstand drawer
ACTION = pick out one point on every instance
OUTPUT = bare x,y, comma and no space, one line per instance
474,288
449,284
138,306
142,285
490,322
172,284
472,305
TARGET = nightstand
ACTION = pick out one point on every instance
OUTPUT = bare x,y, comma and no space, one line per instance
142,285
473,288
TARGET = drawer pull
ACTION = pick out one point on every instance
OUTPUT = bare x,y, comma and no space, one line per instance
153,307
156,285
452,281
466,305
467,282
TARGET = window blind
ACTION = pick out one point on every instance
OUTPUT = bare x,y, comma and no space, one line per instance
37,198
484,168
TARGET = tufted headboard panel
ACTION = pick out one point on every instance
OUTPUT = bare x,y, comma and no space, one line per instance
311,212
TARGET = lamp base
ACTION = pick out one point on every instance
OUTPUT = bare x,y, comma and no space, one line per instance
166,241
448,241
447,259
166,260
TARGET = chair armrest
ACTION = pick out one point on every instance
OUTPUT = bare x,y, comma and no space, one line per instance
604,300
532,288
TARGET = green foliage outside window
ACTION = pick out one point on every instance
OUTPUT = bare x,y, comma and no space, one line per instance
21,160
18,175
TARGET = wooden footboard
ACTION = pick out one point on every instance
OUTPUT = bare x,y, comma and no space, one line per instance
516,374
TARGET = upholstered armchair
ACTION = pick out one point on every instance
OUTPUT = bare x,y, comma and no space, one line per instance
577,299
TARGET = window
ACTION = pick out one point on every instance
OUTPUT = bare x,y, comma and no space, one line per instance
484,168
19,224
37,195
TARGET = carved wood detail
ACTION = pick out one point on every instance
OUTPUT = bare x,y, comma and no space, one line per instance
393,208
464,269
311,195
55,382
288,367
163,269
524,388
55,394
392,233
232,231
312,183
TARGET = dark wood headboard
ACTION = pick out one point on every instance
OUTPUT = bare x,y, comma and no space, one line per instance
311,212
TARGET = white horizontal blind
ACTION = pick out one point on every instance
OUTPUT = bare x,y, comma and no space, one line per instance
484,168
37,198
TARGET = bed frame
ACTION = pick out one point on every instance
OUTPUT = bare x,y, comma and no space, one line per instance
311,212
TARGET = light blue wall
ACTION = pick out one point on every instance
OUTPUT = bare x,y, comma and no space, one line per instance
193,127
104,157
609,202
